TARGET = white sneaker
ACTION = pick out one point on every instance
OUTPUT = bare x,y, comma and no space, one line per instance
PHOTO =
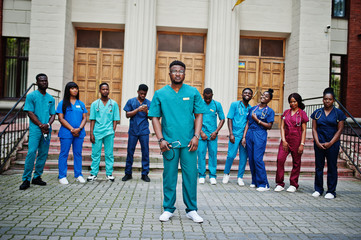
80,179
225,178
194,216
252,185
63,181
240,182
91,178
279,188
316,194
262,189
202,180
110,178
291,189
165,216
329,196
213,181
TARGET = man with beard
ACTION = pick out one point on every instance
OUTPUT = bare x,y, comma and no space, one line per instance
180,107
137,110
237,120
40,106
104,117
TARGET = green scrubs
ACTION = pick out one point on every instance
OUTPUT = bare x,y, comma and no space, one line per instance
103,132
177,112
43,106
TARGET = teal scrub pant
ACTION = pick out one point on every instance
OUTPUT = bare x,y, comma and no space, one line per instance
108,152
188,162
212,157
37,143
231,155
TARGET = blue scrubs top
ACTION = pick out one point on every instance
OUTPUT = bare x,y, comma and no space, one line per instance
210,117
238,113
43,106
265,115
74,116
104,117
327,126
139,124
176,111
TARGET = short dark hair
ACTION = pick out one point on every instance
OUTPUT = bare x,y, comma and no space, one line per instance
270,91
329,90
177,62
40,75
104,83
247,89
207,91
298,99
143,87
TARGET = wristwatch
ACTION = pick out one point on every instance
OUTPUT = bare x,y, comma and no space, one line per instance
196,135
160,140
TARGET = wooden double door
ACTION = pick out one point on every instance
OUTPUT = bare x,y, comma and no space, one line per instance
260,74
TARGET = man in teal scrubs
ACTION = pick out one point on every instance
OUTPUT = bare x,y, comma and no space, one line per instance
41,110
104,117
209,137
181,108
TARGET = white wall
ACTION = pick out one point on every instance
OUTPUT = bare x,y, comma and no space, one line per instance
16,18
339,30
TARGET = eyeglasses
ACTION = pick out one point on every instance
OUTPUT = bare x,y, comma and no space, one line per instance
180,72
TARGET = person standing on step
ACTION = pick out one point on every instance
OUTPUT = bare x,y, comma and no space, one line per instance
260,120
176,112
209,137
137,110
104,117
293,136
237,120
72,116
327,126
40,106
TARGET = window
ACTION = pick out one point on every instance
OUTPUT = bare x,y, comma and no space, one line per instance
339,8
261,47
15,66
186,43
336,74
100,39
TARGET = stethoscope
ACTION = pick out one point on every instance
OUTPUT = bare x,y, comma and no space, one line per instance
319,112
240,109
298,117
110,105
171,146
264,112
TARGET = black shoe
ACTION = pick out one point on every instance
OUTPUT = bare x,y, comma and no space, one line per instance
25,185
38,181
127,177
145,178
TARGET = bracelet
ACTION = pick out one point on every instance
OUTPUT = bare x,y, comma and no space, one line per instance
196,135
48,125
303,144
217,133
160,140
259,121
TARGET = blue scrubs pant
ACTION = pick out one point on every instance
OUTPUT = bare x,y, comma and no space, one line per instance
65,144
231,155
108,152
188,162
212,157
256,146
144,144
331,155
37,143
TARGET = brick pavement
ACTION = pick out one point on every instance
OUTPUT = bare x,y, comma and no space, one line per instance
130,210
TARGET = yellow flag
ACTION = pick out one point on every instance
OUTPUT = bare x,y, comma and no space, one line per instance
237,3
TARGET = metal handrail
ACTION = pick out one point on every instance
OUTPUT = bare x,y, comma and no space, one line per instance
13,133
350,140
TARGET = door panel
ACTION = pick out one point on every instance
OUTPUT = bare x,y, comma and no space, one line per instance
194,70
248,71
162,69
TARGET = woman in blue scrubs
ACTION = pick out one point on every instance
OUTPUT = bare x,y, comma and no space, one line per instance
260,120
72,116
327,126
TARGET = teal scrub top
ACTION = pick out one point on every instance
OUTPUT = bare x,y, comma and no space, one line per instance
177,112
238,113
210,117
104,117
43,106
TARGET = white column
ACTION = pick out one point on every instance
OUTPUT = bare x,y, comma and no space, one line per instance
222,52
139,49
47,41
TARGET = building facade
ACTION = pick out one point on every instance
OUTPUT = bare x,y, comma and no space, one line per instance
288,45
